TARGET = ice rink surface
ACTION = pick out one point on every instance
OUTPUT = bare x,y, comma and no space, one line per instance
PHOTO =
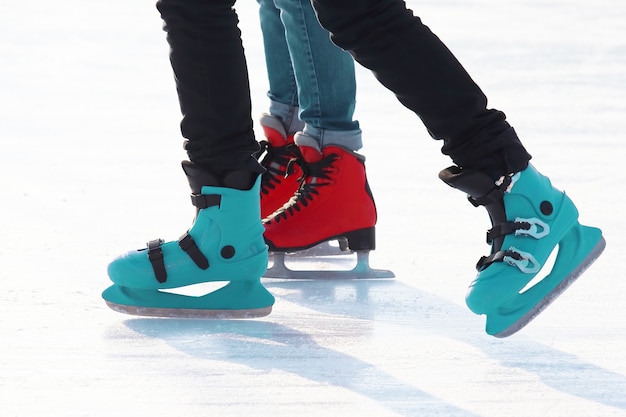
89,168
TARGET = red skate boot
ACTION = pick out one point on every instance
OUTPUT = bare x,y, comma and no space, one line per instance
277,185
281,180
334,202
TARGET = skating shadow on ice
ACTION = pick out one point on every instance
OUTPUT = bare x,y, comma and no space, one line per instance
268,346
400,304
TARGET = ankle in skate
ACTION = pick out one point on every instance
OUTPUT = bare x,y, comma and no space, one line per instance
278,183
530,220
334,202
224,244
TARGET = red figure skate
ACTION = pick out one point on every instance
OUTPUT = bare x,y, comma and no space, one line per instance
333,202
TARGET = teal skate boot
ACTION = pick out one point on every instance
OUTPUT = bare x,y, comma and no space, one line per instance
530,219
225,244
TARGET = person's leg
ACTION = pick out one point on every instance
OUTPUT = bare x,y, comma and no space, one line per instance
412,62
283,90
211,77
334,200
325,78
225,242
281,122
530,218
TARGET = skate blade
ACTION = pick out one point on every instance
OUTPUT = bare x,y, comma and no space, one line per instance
235,300
189,313
569,265
361,270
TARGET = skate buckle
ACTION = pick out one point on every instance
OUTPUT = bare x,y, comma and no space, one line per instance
524,261
508,181
537,229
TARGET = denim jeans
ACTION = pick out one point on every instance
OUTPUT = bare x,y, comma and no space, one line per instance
309,76
408,59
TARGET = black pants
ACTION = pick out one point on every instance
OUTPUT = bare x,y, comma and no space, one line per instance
411,61
382,35
211,77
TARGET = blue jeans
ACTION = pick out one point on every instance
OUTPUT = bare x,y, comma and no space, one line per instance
309,77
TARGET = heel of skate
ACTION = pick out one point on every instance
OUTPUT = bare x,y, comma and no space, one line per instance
362,239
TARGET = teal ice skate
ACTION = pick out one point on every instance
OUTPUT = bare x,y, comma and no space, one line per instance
530,219
224,244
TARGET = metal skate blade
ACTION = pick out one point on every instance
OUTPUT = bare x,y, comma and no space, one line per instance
189,313
317,269
563,284
236,300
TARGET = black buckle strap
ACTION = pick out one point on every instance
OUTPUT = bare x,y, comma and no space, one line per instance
203,201
499,256
190,247
504,229
155,255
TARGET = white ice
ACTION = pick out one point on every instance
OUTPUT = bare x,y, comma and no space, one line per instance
89,168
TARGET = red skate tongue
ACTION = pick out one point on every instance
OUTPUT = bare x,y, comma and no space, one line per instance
310,154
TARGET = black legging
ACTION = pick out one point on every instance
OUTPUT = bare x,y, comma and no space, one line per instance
211,80
213,87
407,58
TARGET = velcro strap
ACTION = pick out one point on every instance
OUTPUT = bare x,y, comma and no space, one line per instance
499,256
155,255
203,201
190,247
504,229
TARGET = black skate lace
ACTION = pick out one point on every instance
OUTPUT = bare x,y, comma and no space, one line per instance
498,256
274,158
308,189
